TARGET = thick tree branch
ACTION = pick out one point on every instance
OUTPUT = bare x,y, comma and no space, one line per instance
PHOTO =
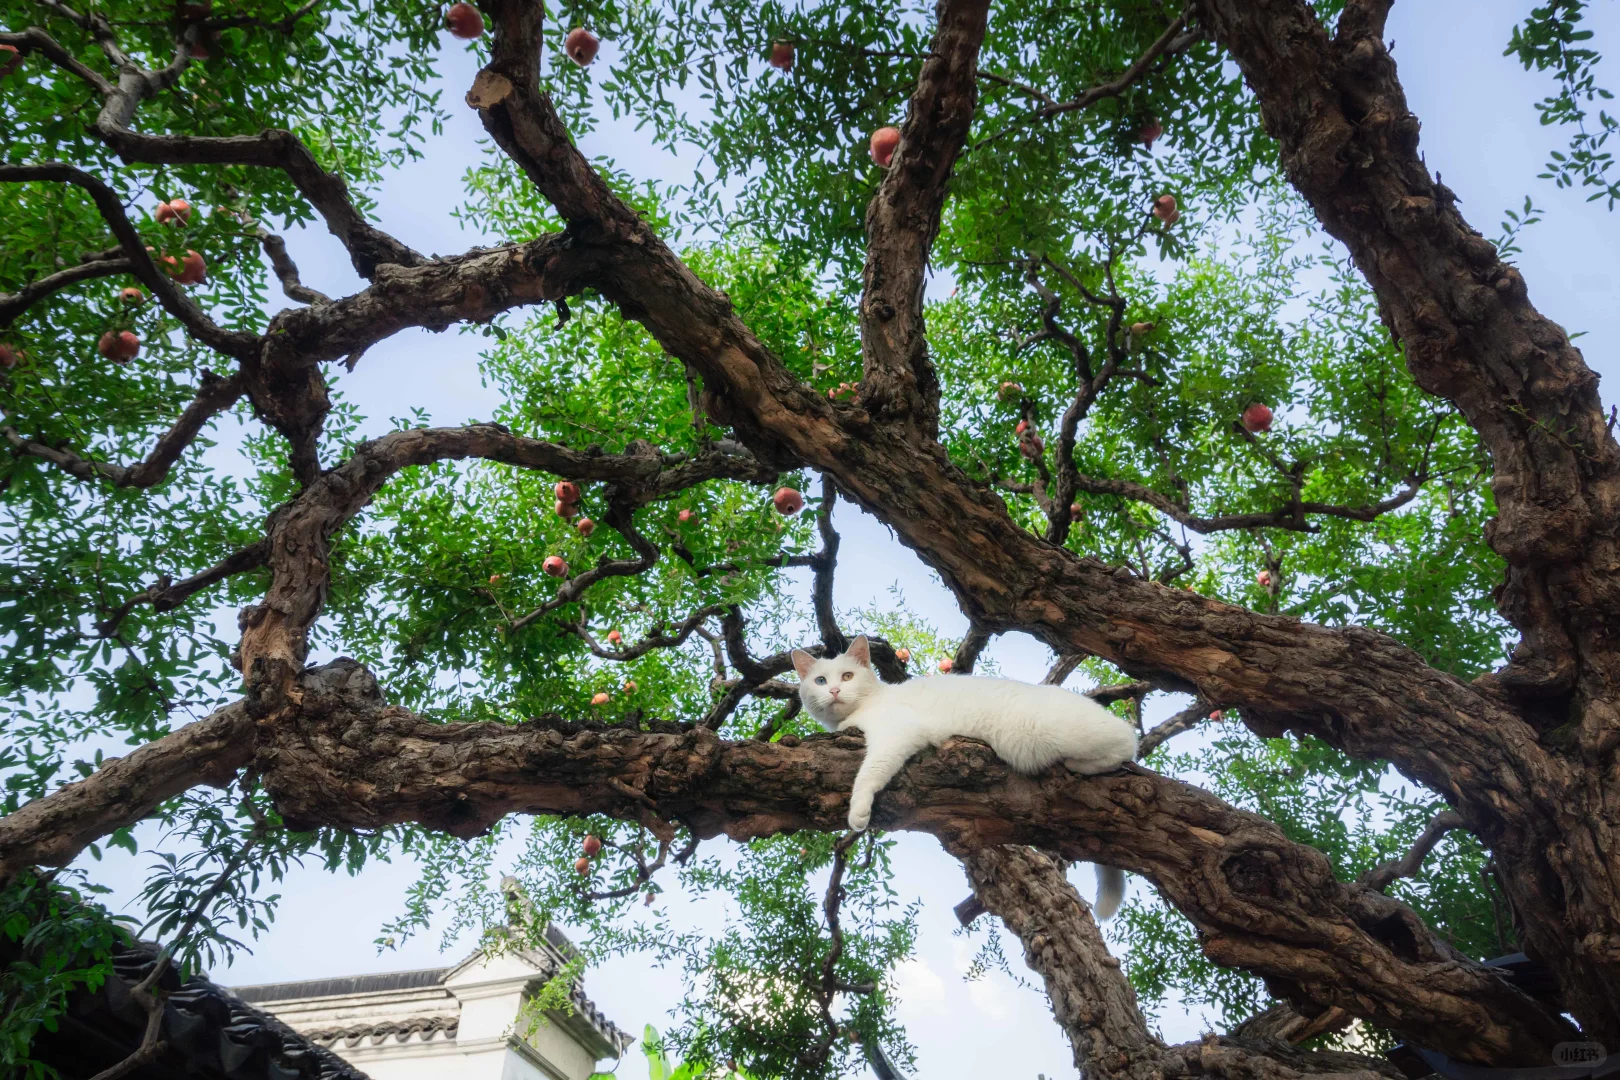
52,831
1091,999
1349,144
1107,695
1062,668
904,216
1260,901
1094,1004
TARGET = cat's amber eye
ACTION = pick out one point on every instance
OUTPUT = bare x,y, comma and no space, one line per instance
821,680
848,675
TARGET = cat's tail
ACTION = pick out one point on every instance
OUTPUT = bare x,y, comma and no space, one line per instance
1110,891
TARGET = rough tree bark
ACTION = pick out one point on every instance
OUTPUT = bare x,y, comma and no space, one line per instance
1092,1000
1546,800
1525,755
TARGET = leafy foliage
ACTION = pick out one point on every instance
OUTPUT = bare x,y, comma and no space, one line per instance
1550,40
1047,241
53,940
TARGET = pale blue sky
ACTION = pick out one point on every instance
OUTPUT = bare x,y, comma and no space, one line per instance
1479,132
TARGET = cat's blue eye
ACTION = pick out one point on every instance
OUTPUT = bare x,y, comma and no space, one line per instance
821,680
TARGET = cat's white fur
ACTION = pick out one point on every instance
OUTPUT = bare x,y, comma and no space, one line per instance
1030,727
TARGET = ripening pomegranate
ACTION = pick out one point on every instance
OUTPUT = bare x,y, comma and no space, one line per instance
1164,208
685,516
945,665
581,46
614,637
584,526
567,510
163,215
1264,579
494,579
10,59
592,844
647,900
787,501
132,296
1257,418
190,270
1140,329
555,566
782,55
464,21
582,865
179,209
193,269
1023,426
884,141
1150,131
119,346
1031,446
8,356
599,698
1009,391
903,655
629,686
1076,511
566,491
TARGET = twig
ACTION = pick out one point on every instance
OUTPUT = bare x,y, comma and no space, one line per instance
287,271
1380,877
1172,41
1185,720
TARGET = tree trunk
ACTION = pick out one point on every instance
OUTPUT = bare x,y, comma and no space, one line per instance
1547,802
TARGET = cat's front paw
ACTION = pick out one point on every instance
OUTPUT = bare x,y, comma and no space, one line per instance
859,819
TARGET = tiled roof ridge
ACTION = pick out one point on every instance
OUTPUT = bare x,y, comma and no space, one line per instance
343,985
352,1035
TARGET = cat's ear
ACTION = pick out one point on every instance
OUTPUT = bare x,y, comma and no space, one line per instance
802,662
860,651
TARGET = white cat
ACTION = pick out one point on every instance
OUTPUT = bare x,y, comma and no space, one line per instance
1030,727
